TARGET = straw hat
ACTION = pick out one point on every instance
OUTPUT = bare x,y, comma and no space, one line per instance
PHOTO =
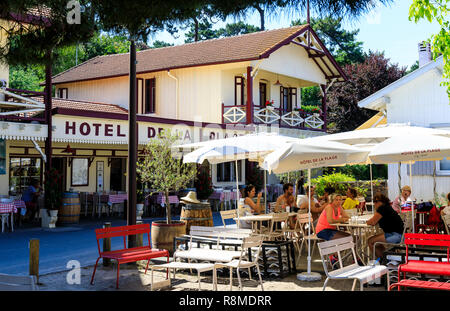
191,197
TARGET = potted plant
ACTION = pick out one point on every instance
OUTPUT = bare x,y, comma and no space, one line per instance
269,104
53,198
140,201
165,173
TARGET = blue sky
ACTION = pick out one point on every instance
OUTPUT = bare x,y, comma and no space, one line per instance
386,28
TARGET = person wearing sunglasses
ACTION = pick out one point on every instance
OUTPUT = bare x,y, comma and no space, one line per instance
388,220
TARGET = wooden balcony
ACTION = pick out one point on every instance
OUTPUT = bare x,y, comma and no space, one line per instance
274,116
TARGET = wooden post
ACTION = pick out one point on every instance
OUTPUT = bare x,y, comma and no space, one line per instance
139,237
106,245
34,258
249,105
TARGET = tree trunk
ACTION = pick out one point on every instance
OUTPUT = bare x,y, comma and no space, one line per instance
261,14
168,215
196,29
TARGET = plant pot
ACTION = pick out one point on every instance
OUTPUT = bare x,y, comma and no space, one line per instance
139,211
48,218
269,107
163,234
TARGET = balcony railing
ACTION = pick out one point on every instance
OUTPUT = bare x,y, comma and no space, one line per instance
274,116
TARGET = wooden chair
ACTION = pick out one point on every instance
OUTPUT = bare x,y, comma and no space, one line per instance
303,220
250,242
17,283
353,271
295,234
230,214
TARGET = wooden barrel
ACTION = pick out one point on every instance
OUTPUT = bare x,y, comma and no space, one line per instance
196,215
69,212
163,234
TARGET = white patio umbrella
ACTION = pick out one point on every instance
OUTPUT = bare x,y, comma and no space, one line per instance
409,149
309,154
253,147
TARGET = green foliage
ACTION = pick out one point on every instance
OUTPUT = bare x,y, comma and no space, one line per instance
206,32
26,77
440,200
311,96
437,10
310,109
336,180
160,44
413,67
162,170
362,172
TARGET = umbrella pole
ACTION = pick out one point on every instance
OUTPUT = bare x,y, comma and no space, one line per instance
237,192
265,192
308,275
412,202
371,188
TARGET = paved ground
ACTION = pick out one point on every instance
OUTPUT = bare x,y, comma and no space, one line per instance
59,245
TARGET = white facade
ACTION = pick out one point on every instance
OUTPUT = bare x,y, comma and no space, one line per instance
418,99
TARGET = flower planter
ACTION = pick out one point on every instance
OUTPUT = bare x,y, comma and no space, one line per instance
139,211
48,218
269,107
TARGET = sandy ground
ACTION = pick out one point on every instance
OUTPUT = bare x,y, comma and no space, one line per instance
132,278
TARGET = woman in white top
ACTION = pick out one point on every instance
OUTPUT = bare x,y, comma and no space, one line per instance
256,208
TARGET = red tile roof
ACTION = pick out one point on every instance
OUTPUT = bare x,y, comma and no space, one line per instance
84,106
216,51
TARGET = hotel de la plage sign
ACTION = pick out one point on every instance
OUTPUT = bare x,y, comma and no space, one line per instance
79,130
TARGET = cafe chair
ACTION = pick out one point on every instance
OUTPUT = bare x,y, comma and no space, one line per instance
303,220
230,214
277,227
251,242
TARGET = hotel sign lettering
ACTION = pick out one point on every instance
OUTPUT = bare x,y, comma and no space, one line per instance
73,129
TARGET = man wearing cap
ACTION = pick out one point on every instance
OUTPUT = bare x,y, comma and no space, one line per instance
401,199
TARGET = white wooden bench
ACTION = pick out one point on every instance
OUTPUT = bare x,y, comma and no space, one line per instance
17,283
353,271
200,267
217,235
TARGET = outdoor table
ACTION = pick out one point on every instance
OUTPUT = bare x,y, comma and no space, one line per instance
11,208
221,196
160,199
358,229
257,219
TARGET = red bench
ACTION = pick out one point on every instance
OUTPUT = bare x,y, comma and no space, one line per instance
424,267
127,254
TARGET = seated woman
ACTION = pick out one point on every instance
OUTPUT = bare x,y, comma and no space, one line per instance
256,208
332,214
325,199
401,199
351,202
446,210
389,221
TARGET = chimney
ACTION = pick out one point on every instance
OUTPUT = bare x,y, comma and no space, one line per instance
425,55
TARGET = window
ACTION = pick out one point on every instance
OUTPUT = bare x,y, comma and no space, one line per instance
226,172
288,98
239,86
22,171
63,93
443,167
262,94
150,97
80,172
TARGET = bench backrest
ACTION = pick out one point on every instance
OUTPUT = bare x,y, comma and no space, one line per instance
230,214
336,246
122,231
441,240
220,232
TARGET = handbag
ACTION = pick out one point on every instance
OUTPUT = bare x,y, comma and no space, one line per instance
424,206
